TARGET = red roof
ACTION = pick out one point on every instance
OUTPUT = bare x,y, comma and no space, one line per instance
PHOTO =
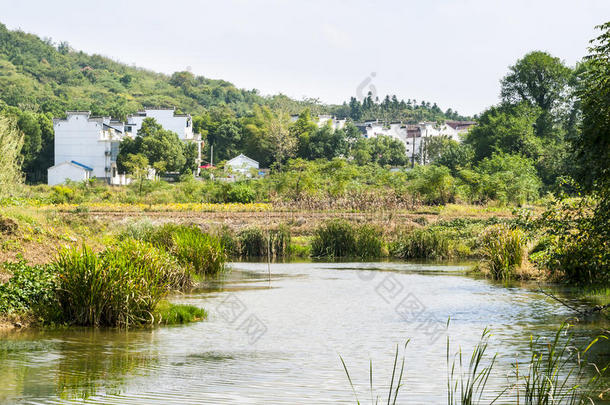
208,166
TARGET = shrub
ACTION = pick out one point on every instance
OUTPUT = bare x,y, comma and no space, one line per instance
336,238
119,287
201,252
139,230
240,193
502,249
421,244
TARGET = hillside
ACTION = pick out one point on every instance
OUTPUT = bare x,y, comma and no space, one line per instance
39,75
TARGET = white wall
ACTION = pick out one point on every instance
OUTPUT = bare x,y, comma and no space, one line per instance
85,141
59,173
181,125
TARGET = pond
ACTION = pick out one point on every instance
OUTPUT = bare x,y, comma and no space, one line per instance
278,340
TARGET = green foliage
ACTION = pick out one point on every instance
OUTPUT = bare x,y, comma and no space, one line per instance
503,250
240,193
160,148
30,288
592,145
253,242
167,313
433,184
11,143
119,287
506,178
334,239
201,252
578,233
421,244
339,238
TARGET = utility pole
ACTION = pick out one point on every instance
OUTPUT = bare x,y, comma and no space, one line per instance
212,154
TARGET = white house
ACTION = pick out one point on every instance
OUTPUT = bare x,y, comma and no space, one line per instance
181,124
92,142
242,165
414,136
73,170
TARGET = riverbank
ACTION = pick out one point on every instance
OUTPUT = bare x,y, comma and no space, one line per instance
506,243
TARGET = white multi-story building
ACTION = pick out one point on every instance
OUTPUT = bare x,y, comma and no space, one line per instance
86,141
414,136
93,142
323,119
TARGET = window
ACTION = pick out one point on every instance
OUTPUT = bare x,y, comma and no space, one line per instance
128,129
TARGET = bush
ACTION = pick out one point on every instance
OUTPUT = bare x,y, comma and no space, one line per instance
578,239
421,244
240,193
119,287
503,250
202,253
336,238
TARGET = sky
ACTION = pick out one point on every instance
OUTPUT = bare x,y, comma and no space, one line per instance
452,52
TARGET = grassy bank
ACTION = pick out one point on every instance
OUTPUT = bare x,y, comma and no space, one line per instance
124,285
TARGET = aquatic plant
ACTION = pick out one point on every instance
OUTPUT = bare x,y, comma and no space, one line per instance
395,382
253,242
167,313
421,244
503,250
336,238
199,251
119,287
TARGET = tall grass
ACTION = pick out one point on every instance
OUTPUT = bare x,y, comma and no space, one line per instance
201,252
395,382
466,386
119,287
339,238
556,372
503,250
421,244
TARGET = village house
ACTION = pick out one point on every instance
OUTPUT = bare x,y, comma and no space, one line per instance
83,141
242,165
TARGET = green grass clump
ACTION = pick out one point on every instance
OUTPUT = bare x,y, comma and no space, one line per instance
201,252
503,250
369,242
253,242
167,313
118,287
421,244
336,238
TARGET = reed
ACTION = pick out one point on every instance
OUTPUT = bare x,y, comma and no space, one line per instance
200,252
503,250
119,287
421,244
395,382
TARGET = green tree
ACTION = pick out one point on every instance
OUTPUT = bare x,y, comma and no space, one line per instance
11,143
163,149
137,165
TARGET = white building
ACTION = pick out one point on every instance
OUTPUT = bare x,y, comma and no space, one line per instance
91,142
69,171
414,136
181,124
242,165
323,119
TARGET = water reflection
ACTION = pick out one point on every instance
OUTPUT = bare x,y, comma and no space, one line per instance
312,312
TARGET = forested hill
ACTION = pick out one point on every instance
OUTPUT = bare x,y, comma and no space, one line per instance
39,75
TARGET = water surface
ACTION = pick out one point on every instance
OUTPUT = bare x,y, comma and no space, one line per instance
278,340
